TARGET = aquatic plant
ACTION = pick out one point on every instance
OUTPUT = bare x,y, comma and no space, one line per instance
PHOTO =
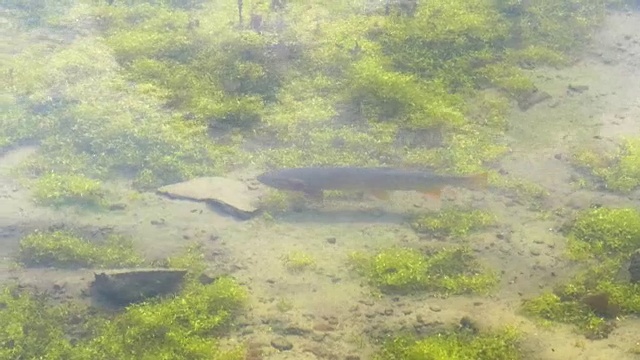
118,130
451,222
620,170
604,239
404,270
63,249
185,327
192,258
604,232
58,190
165,92
455,345
395,269
592,300
297,261
181,328
31,328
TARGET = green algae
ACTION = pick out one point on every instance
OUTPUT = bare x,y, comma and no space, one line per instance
298,261
451,222
184,327
604,232
405,270
618,170
603,239
63,249
455,345
58,190
165,92
591,301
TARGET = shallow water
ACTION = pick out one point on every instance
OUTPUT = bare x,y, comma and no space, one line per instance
331,313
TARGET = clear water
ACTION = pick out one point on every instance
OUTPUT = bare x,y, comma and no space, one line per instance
107,105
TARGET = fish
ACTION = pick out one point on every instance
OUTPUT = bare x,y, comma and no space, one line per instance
312,181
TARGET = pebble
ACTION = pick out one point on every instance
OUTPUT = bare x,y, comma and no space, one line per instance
435,308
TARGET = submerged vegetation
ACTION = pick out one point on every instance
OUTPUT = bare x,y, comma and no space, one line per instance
157,92
404,270
451,222
603,238
605,233
63,249
455,345
58,190
161,92
298,261
185,327
618,170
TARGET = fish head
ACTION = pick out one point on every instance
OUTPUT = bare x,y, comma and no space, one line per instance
281,182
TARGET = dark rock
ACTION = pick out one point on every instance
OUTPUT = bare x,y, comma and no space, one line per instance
124,287
282,344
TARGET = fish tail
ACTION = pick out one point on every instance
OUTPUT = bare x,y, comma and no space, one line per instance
478,181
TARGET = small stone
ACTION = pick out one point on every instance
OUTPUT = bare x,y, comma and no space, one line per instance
534,252
331,240
282,344
435,308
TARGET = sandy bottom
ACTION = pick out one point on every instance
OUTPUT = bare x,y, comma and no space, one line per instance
331,313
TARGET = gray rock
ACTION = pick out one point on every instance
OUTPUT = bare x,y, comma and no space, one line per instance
227,195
